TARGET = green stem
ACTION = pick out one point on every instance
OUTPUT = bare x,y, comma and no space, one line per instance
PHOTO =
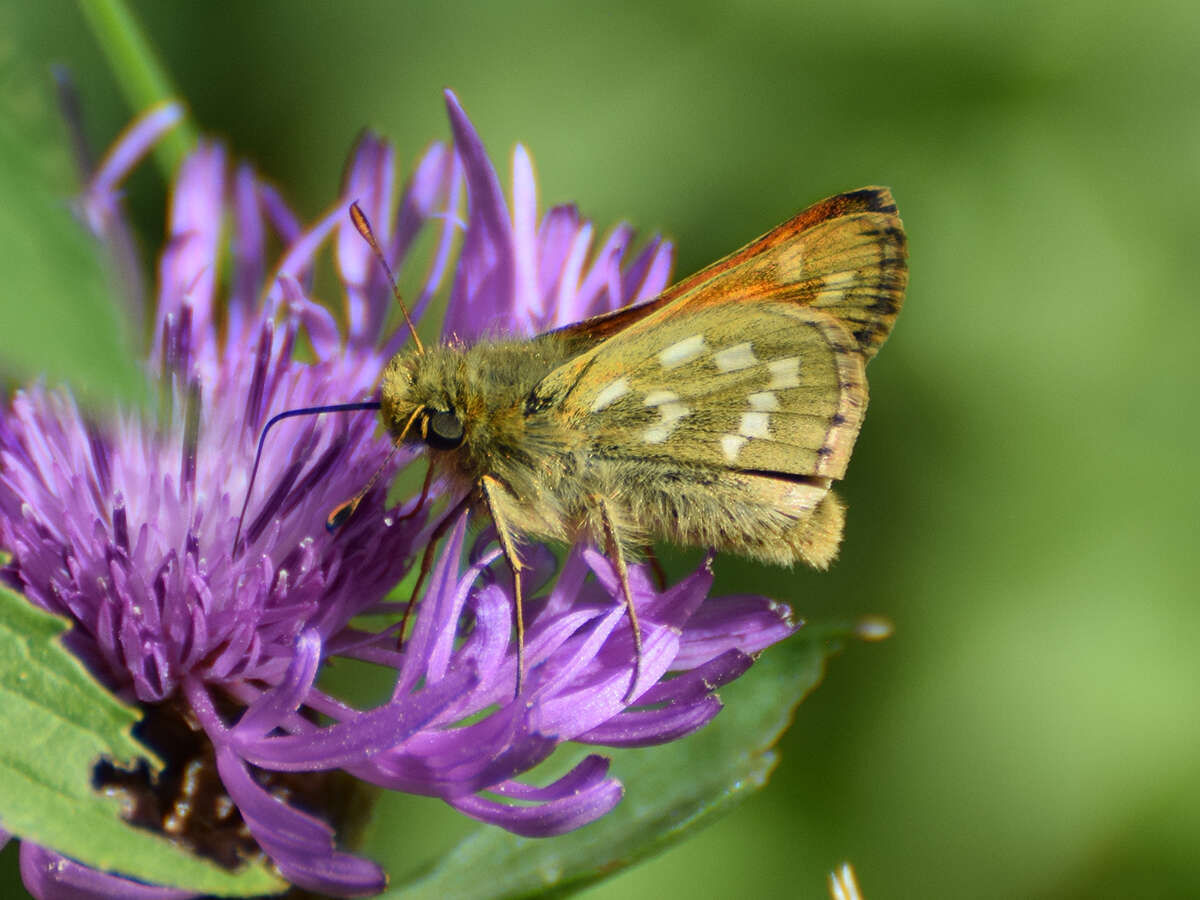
141,76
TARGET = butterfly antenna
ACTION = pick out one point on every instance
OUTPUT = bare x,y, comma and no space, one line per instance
359,218
262,439
339,514
343,511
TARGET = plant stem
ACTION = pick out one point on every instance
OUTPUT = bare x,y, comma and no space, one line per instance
139,72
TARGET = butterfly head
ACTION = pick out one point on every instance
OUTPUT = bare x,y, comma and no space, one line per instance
422,399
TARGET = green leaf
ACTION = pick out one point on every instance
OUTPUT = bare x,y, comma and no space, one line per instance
58,721
669,792
59,313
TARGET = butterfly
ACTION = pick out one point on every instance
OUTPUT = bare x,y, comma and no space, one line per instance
717,414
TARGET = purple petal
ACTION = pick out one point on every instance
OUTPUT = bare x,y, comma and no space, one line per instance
249,248
556,817
370,183
555,237
453,763
746,623
135,142
300,845
441,654
586,702
645,728
568,280
528,302
438,619
672,607
452,188
695,683
569,588
285,697
603,278
298,260
424,197
576,656
48,876
483,289
188,269
353,742
318,322
586,772
650,273
279,214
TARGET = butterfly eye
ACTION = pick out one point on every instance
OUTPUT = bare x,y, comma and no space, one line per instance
445,431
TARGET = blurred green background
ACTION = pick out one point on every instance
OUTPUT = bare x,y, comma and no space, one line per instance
1023,499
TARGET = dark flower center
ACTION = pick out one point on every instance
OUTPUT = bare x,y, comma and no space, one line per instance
187,802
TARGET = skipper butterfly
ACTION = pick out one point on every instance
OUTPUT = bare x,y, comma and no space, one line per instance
718,414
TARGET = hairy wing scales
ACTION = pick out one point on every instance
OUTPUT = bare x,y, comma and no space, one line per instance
846,255
775,389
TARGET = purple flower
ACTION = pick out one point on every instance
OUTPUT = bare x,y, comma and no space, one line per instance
127,527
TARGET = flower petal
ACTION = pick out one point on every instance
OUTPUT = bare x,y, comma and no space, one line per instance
49,876
584,805
483,288
99,199
300,845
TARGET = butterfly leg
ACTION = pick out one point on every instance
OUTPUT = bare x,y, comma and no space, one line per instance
618,559
423,498
427,561
490,486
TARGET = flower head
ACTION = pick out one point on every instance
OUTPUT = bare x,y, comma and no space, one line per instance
127,526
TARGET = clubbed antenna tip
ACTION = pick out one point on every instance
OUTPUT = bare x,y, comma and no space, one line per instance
359,218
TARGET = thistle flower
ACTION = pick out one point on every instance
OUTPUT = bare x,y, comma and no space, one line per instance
127,528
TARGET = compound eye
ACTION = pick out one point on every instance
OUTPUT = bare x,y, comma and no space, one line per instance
445,431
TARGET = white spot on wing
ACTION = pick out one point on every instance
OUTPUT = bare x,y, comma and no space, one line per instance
657,434
670,410
682,351
732,445
615,389
764,400
739,356
673,412
657,398
756,425
785,373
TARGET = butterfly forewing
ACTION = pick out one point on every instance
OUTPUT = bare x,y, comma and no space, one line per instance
754,363
777,390
846,255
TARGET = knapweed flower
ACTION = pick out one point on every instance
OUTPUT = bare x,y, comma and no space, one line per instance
127,527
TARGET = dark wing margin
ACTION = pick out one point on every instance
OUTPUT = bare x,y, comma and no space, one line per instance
846,255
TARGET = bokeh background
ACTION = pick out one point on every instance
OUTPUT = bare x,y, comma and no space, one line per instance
1023,499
